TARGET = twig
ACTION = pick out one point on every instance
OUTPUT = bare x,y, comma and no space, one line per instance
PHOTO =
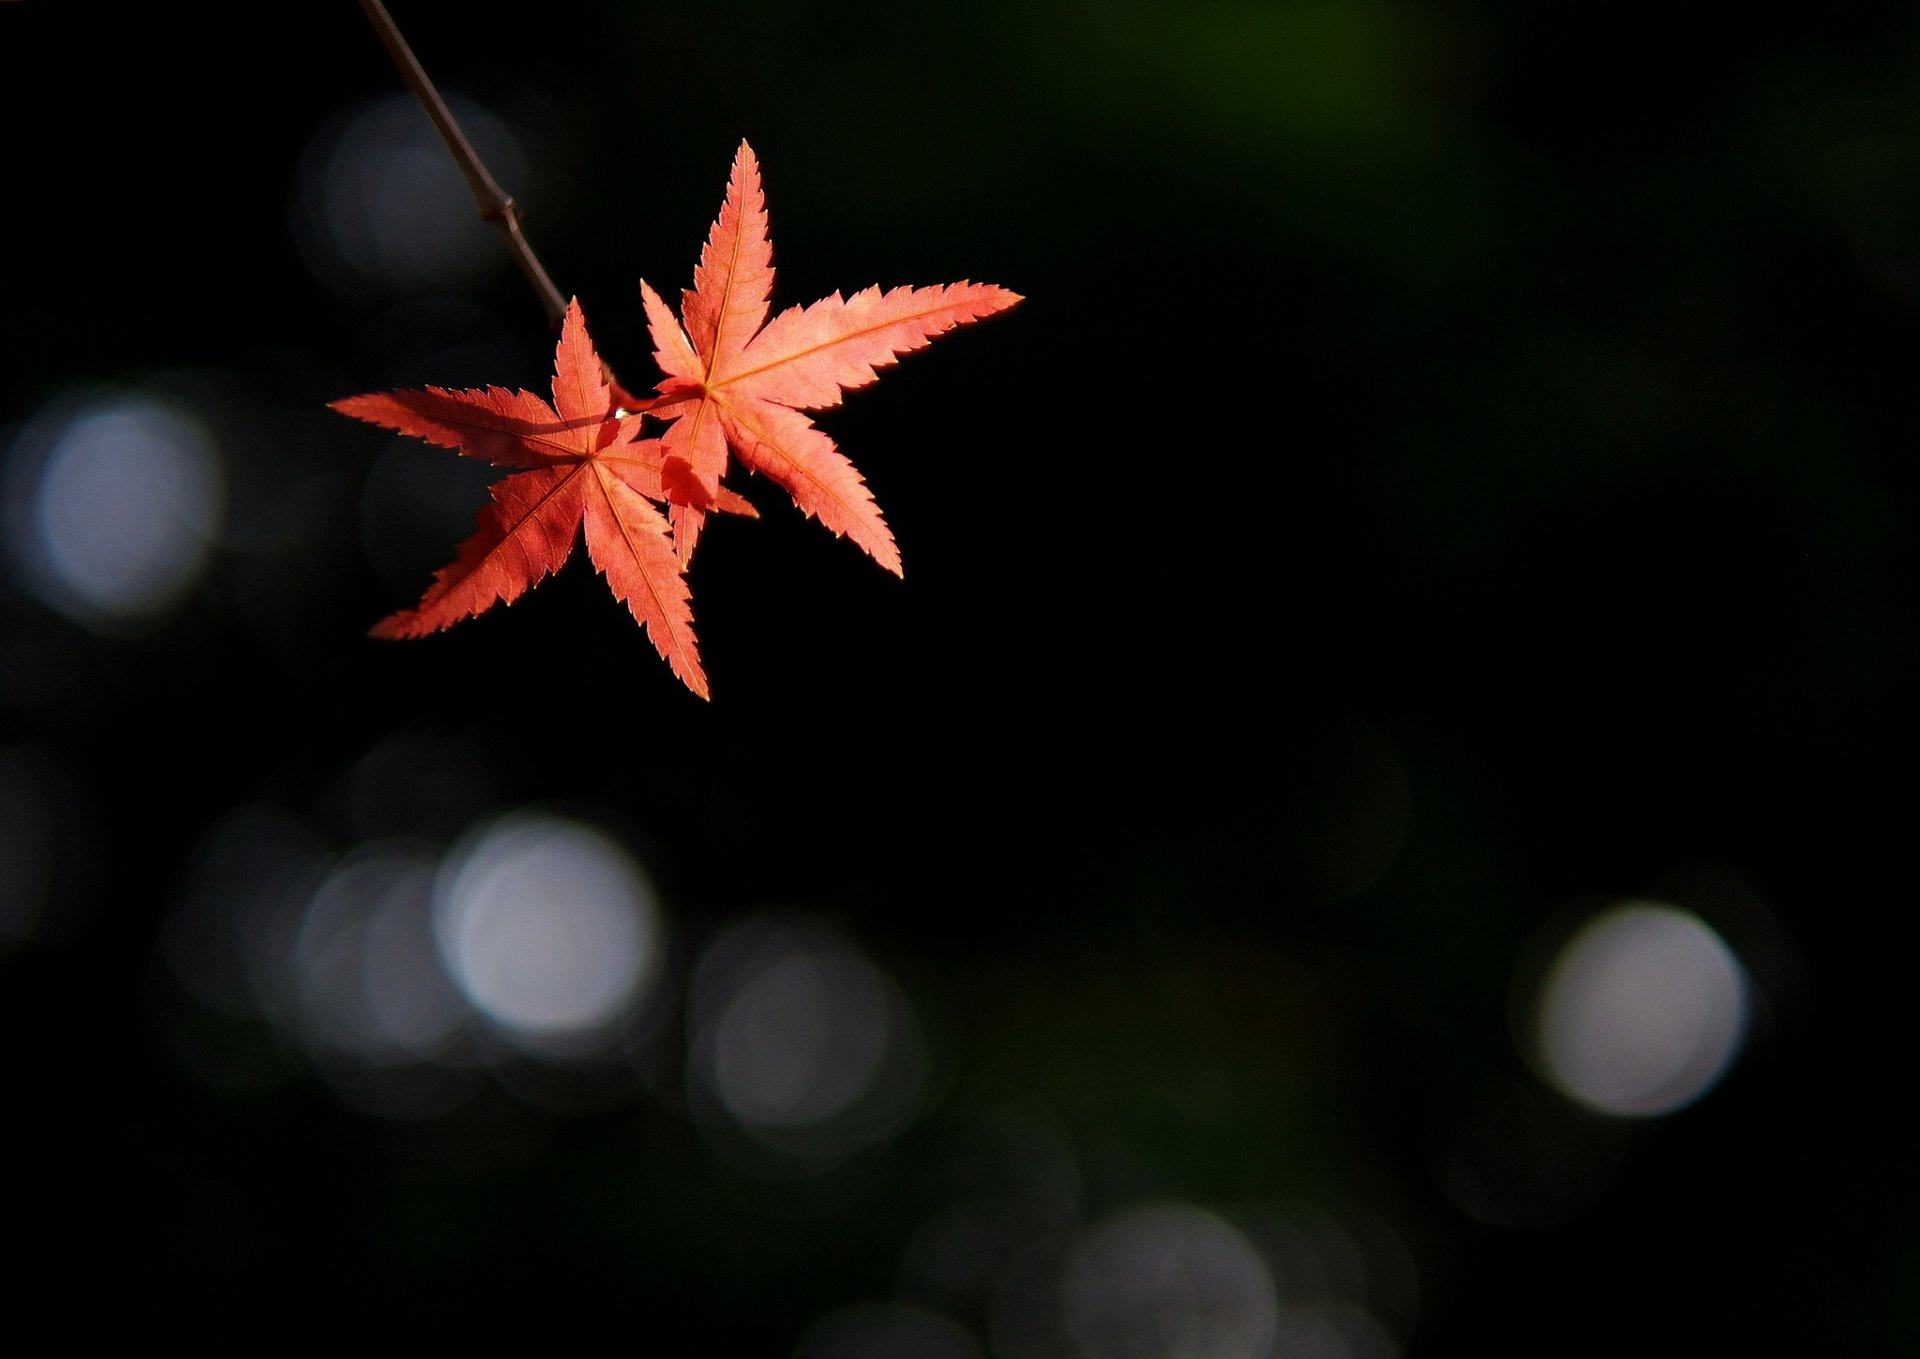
495,205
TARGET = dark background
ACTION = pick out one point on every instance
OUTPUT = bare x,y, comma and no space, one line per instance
1453,469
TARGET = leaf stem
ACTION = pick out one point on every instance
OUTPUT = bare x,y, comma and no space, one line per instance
495,205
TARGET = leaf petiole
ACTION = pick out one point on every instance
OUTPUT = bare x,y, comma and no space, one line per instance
496,206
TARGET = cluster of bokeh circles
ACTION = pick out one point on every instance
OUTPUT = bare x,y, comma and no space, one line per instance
533,955
531,952
410,975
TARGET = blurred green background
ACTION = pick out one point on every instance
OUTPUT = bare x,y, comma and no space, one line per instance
1451,479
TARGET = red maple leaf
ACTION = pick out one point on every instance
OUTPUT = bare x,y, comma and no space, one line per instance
587,467
731,383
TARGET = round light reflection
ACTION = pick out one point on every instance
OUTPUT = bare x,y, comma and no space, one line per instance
803,1041
381,201
371,984
549,928
112,502
1168,1279
1642,1011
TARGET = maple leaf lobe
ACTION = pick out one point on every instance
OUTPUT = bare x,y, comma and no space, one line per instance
737,382
586,467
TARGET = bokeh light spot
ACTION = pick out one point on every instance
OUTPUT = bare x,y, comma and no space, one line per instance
1346,1284
1642,1011
1167,1279
550,929
379,200
370,981
1016,1183
409,995
803,1041
111,503
1331,1331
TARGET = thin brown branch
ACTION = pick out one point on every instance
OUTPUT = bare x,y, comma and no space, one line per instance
495,205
